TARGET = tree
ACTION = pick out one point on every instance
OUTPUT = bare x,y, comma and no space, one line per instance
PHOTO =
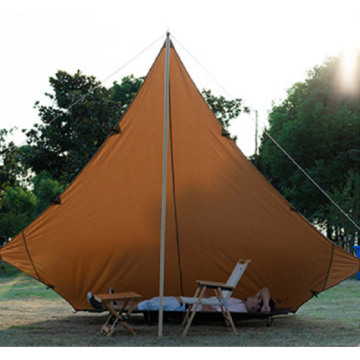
16,211
224,110
348,198
46,191
10,166
125,92
83,115
318,125
21,205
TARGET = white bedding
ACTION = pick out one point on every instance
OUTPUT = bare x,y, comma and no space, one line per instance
171,303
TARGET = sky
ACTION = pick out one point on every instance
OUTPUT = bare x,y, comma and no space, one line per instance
254,50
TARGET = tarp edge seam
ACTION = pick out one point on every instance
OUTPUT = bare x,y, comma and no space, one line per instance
331,260
31,261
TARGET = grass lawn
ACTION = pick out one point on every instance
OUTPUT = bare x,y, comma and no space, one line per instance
32,315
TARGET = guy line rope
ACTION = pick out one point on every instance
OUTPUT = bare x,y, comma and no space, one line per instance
92,90
278,145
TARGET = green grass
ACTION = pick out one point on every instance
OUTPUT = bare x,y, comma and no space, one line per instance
32,315
15,285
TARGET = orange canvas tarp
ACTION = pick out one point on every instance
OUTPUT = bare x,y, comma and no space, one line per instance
105,229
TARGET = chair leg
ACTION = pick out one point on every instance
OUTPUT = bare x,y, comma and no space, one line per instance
227,321
189,309
194,310
227,317
186,317
190,320
231,321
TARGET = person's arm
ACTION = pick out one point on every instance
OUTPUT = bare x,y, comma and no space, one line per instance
264,294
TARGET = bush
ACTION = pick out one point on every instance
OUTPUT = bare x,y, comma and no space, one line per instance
7,270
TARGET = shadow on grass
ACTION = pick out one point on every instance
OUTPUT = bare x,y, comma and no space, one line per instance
83,329
31,316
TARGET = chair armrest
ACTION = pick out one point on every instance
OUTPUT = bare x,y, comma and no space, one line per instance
214,285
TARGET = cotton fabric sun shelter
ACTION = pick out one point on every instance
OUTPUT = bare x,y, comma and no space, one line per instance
104,230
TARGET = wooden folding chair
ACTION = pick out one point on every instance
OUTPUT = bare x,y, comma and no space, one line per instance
223,292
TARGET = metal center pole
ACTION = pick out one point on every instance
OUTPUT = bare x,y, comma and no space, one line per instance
163,205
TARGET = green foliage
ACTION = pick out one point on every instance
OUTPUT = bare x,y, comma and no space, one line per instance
318,125
46,191
20,206
347,196
83,115
16,210
125,92
224,110
10,164
7,271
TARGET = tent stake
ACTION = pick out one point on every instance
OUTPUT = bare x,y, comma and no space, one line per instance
163,205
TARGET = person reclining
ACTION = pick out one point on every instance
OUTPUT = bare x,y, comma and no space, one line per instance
261,302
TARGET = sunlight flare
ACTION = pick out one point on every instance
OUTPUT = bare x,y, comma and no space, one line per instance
349,69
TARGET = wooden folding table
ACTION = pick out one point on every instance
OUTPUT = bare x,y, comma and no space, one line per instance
120,306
